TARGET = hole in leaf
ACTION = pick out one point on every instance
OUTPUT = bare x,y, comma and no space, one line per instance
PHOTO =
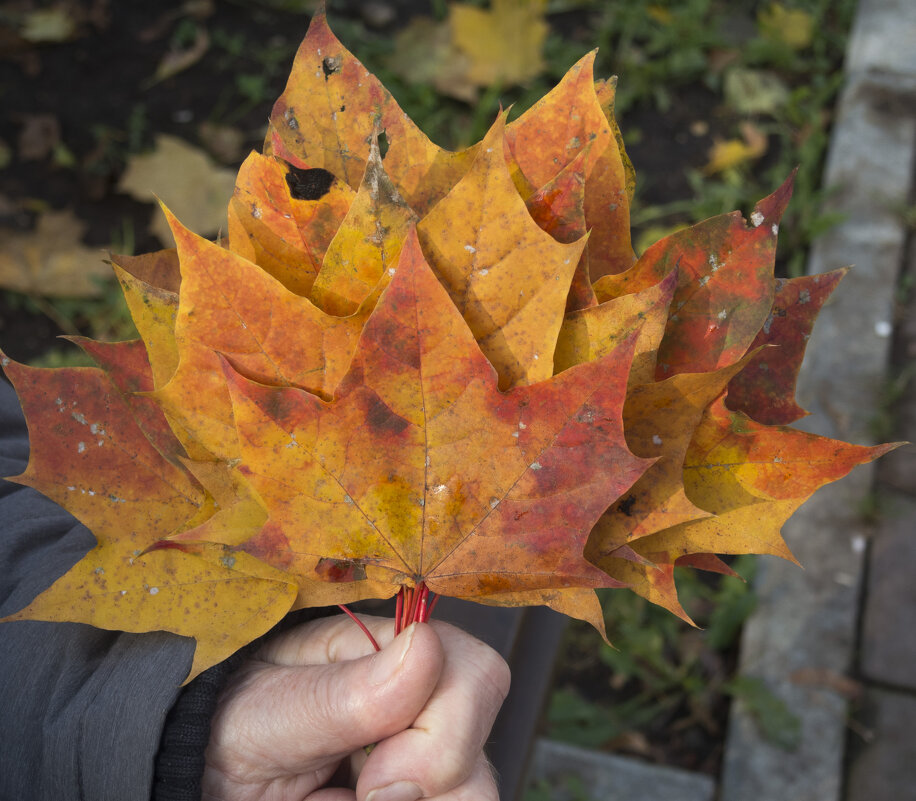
308,184
330,65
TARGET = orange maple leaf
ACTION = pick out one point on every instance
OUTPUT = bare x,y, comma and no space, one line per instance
421,471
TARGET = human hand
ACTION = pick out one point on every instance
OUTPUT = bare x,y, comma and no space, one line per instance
313,697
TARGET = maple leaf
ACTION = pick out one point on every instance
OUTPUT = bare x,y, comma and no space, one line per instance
283,219
764,390
752,477
503,44
330,106
366,244
51,260
89,454
507,276
150,286
470,491
570,121
725,285
228,305
398,376
184,176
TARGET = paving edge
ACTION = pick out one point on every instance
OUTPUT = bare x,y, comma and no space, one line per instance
609,777
801,638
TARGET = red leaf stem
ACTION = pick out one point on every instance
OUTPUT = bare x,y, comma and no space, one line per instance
362,626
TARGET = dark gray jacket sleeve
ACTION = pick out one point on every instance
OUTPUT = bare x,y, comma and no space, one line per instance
81,710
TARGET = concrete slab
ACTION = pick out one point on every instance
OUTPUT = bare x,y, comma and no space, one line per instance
799,642
898,469
888,633
869,171
882,38
607,777
882,770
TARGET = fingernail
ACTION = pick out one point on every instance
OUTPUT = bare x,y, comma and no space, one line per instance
390,659
399,791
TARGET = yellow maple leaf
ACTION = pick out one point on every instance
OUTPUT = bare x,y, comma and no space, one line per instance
791,26
724,155
503,45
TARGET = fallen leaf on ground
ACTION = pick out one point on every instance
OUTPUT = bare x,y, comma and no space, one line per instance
750,91
51,261
425,54
726,154
56,24
185,178
175,61
791,26
39,136
503,44
222,141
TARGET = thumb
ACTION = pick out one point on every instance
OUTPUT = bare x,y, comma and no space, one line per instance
352,704
301,717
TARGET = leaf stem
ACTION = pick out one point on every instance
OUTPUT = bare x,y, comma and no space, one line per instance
429,610
413,605
361,625
421,606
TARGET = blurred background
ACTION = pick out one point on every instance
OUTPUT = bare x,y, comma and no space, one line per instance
106,104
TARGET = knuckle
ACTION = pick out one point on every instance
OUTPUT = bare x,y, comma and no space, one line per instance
452,772
494,673
481,786
501,677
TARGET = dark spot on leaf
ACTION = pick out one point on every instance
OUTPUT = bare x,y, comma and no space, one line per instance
396,341
383,420
330,65
343,108
310,184
270,545
626,505
340,570
164,545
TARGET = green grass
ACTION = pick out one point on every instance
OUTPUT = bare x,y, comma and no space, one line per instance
659,667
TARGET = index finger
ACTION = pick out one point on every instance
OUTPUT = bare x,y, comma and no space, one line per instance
443,747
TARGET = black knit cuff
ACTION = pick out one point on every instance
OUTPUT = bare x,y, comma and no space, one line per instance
180,761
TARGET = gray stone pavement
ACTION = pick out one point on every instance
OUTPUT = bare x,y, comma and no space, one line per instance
837,640
564,770
888,643
884,768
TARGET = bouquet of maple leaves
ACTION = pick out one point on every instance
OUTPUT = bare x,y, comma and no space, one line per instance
427,373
